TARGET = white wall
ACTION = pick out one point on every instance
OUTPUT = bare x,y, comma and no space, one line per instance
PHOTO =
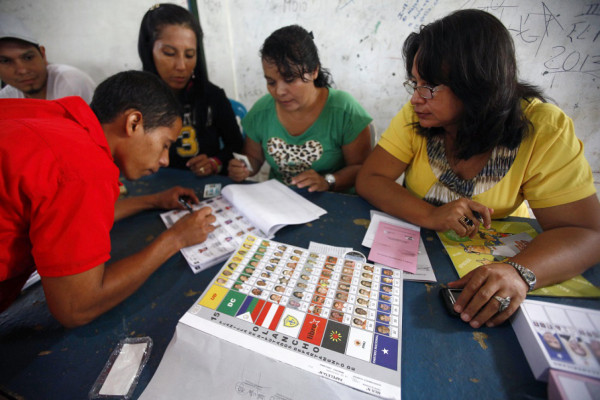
360,41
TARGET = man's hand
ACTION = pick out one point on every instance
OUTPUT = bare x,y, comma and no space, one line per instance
169,199
193,228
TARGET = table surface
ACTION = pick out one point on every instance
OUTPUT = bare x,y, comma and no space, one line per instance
442,357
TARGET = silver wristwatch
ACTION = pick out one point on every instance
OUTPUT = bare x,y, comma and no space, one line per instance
330,179
527,274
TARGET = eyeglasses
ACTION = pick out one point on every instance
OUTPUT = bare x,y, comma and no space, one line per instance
425,92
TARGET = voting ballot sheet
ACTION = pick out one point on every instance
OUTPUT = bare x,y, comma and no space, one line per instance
335,318
260,208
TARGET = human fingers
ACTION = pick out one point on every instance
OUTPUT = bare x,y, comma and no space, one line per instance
470,215
466,293
199,225
305,181
476,293
169,199
203,169
200,158
200,165
502,316
312,180
448,217
301,180
479,213
237,170
466,227
492,289
206,213
188,194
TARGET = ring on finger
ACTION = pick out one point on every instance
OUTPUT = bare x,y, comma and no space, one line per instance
201,170
504,303
465,221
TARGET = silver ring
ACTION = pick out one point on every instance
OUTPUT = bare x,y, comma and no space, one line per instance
201,170
504,302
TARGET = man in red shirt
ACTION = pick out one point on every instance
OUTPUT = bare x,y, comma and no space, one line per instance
59,168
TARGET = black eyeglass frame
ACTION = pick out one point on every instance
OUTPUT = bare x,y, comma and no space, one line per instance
411,87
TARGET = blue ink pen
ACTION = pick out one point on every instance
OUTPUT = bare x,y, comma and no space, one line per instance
186,204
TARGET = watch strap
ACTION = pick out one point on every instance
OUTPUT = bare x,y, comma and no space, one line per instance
527,274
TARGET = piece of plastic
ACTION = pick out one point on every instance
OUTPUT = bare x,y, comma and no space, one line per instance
121,373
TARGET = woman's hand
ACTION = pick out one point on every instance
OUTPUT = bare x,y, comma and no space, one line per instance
201,165
477,303
463,216
237,170
169,199
312,180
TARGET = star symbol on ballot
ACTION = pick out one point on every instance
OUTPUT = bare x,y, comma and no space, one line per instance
385,351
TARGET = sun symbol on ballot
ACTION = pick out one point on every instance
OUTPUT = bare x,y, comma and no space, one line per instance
335,336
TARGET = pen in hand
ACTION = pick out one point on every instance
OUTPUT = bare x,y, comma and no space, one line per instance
186,204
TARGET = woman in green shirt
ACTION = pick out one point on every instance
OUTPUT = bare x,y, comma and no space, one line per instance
311,135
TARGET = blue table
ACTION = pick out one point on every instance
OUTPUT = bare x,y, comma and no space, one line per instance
442,357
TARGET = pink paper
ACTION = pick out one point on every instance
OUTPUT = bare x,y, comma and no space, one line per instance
395,247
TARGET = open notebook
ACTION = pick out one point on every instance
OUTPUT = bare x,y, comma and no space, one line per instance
260,208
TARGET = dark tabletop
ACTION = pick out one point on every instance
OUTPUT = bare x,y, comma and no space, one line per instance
442,357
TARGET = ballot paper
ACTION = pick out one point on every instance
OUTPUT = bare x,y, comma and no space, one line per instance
259,208
396,247
281,316
424,272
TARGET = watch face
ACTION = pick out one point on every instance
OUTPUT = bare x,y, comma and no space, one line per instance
330,179
528,275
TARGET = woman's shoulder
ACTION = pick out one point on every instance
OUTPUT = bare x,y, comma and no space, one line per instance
261,111
550,125
340,97
340,102
542,114
265,103
213,90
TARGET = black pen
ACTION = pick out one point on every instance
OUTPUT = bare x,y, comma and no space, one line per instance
186,204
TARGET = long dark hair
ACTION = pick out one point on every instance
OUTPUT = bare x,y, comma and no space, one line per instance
472,53
294,52
154,20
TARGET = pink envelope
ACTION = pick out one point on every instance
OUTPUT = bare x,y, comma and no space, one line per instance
396,247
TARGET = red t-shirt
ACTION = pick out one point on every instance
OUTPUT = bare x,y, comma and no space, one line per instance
58,188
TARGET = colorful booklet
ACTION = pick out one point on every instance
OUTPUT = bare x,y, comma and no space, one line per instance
338,318
505,239
555,336
260,208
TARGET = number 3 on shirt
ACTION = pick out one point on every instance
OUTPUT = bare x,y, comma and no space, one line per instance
189,144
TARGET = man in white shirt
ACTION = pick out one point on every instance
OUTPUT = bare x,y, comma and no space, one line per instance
27,74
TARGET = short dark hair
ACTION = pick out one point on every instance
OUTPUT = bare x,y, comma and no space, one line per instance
137,90
472,53
156,18
294,52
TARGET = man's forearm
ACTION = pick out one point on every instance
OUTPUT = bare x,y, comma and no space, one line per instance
78,299
132,205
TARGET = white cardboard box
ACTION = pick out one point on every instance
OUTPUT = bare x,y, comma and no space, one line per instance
560,337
